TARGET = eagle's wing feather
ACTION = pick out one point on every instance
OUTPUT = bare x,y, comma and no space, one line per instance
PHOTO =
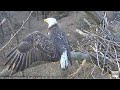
34,47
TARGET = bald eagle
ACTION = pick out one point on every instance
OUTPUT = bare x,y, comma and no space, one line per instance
38,47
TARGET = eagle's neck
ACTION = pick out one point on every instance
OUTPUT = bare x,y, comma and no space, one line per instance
53,31
53,27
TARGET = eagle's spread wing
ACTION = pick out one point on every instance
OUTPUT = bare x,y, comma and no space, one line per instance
34,47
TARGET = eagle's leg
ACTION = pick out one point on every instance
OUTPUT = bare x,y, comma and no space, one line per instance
64,60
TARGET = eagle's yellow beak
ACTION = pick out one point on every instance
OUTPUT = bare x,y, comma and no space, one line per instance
45,20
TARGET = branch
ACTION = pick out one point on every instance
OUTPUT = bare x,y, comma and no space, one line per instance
24,22
79,56
2,21
94,15
79,69
81,33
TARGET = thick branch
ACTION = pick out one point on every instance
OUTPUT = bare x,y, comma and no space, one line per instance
79,56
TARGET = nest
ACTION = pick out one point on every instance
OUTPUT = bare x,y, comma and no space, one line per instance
103,45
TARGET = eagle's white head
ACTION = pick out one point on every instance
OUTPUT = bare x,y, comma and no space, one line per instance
50,21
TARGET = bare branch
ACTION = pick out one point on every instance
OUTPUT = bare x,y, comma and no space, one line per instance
24,22
3,21
80,67
81,33
87,22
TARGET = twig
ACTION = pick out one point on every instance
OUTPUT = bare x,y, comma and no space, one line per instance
116,58
3,21
93,71
95,35
87,22
24,22
81,33
96,47
72,75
